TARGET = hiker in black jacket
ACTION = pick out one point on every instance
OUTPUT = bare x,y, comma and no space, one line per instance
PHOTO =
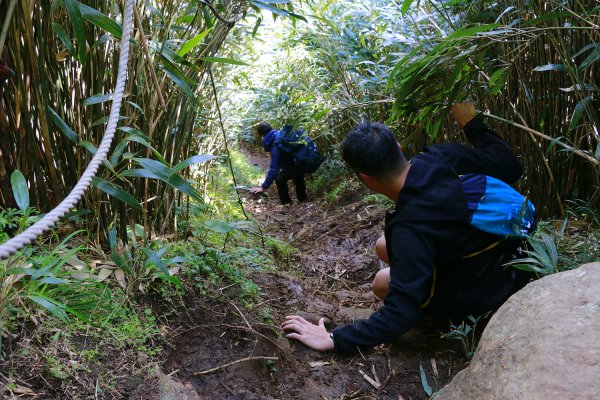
281,169
440,265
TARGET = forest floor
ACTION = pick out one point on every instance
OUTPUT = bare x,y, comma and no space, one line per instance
329,276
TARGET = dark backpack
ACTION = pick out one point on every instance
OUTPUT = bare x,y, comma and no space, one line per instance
301,150
497,208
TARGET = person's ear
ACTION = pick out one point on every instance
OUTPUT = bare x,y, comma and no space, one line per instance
367,180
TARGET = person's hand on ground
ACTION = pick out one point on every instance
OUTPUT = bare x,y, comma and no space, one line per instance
463,113
257,189
314,336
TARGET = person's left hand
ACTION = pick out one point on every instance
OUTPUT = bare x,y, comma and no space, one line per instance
314,336
257,189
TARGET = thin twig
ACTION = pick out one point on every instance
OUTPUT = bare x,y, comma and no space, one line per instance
229,22
229,364
544,136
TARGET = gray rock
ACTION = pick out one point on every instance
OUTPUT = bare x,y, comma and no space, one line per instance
171,389
543,343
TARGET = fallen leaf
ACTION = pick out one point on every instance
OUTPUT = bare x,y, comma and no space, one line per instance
120,276
103,273
315,364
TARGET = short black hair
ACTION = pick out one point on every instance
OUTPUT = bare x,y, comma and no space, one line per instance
372,148
263,128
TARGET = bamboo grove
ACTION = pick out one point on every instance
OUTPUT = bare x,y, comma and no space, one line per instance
534,64
54,112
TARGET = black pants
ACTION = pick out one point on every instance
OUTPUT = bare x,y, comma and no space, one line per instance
282,187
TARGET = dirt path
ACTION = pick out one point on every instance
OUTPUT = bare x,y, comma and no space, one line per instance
330,276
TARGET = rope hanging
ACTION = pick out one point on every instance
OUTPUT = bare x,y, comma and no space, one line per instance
23,239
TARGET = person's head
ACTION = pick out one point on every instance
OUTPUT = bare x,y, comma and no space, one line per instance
263,128
371,149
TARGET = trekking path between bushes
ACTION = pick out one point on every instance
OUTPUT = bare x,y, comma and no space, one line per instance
227,352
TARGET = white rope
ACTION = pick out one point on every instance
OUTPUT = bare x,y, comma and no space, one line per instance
23,239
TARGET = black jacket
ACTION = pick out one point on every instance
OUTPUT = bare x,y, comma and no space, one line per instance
428,236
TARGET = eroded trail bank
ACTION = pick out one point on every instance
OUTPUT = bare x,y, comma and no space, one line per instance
227,352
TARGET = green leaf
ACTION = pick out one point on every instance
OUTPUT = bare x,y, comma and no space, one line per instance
424,382
222,60
89,147
579,111
193,42
497,81
62,125
268,7
97,99
72,7
64,38
156,170
50,305
551,67
406,6
200,158
177,77
115,191
547,17
582,87
256,26
20,191
219,226
592,58
136,106
471,31
101,21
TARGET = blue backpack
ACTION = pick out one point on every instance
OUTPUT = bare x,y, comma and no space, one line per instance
497,208
302,151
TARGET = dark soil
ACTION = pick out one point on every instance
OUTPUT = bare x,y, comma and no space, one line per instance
330,276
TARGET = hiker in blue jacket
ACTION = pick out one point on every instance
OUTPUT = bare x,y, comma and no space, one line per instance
440,265
281,169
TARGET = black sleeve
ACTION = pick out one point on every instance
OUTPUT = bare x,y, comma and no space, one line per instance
411,282
490,155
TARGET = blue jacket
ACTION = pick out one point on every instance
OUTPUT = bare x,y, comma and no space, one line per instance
269,145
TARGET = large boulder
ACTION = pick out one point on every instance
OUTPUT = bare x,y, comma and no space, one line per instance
543,343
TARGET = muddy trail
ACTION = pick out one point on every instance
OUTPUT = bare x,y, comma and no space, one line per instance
225,352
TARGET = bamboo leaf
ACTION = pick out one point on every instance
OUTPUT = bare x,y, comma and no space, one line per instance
424,382
62,125
497,81
64,38
551,67
200,158
219,226
100,20
222,60
592,58
156,170
406,6
52,306
579,111
97,99
20,190
582,87
72,7
470,31
268,7
256,26
113,190
193,42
